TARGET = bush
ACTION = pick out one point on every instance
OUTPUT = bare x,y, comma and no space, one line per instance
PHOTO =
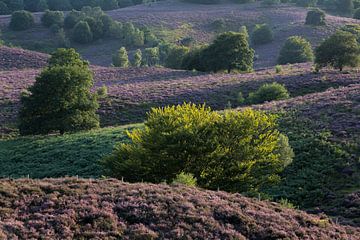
315,17
268,92
121,59
353,29
137,58
339,50
262,34
176,56
60,100
96,27
296,50
237,151
52,18
21,20
82,33
186,179
72,18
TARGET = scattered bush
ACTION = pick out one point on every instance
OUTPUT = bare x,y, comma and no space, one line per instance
268,92
315,17
82,33
237,151
262,34
60,100
339,50
296,50
278,69
52,18
186,179
21,20
121,59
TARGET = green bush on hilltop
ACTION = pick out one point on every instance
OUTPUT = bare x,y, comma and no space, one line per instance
296,50
238,151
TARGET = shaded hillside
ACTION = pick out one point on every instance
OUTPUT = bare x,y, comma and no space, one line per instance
110,209
16,58
132,92
175,20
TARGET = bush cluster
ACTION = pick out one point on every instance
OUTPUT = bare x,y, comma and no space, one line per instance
236,151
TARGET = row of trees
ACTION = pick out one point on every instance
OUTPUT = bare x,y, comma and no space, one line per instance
9,6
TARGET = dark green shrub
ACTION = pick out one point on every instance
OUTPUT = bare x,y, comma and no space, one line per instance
82,33
296,50
176,56
60,100
268,92
339,50
121,59
151,56
193,60
219,150
21,20
262,34
52,18
72,18
315,17
96,27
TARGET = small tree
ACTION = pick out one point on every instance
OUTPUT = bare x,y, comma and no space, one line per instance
151,56
315,17
60,100
72,18
339,50
296,50
82,33
21,20
262,34
121,59
52,17
238,151
176,56
137,58
96,27
268,92
229,51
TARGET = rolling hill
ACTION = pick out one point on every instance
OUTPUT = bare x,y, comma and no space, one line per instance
110,209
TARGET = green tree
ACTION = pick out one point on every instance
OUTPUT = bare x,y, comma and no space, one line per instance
52,17
175,58
60,100
151,56
296,50
137,58
121,59
315,17
339,50
72,18
21,20
82,33
229,51
262,34
237,151
268,92
96,27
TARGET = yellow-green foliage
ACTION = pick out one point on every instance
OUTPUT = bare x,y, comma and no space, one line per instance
234,151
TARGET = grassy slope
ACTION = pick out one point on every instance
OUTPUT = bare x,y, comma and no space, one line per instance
110,209
58,156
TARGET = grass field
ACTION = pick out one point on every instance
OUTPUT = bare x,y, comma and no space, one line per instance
59,156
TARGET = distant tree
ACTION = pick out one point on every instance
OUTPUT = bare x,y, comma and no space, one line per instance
149,38
52,17
296,50
59,5
21,20
109,5
339,50
268,92
229,51
193,60
262,34
82,33
15,5
60,100
72,18
121,59
4,9
151,56
137,38
357,13
107,22
345,6
315,17
238,151
96,27
137,58
176,56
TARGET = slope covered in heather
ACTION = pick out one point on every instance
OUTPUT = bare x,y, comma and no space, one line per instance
110,209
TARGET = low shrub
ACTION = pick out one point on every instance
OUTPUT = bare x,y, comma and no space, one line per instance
268,92
186,179
315,17
52,18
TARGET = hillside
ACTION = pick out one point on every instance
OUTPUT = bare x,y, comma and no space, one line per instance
175,20
16,58
110,209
